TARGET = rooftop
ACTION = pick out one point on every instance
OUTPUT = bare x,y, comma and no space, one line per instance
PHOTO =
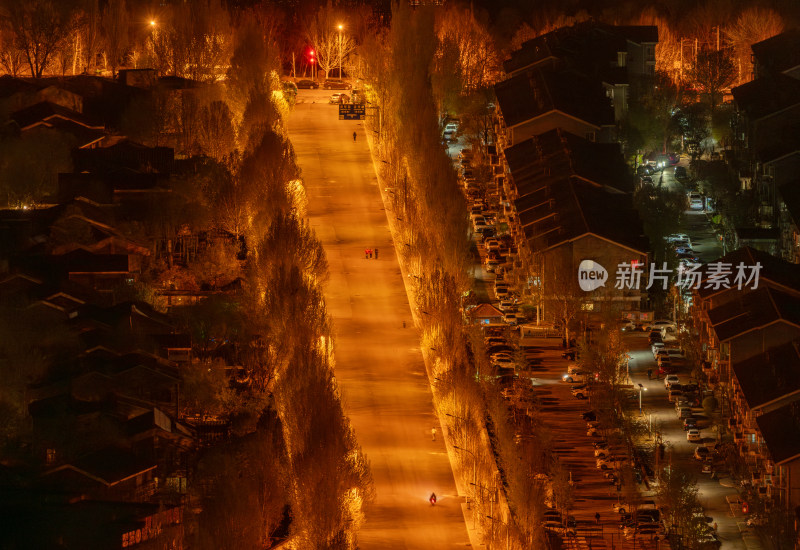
767,95
779,53
769,376
774,271
754,310
536,92
781,432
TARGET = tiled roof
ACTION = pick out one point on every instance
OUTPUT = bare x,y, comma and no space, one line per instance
781,432
754,310
537,92
564,154
769,375
486,310
588,47
781,52
561,199
45,110
774,271
767,95
108,466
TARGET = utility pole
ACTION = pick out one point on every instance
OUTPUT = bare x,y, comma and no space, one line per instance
294,74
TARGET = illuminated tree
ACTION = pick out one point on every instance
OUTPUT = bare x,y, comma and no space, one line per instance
713,72
478,61
754,24
215,133
114,31
12,59
333,46
41,29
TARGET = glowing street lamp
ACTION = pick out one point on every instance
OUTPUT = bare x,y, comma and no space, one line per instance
152,22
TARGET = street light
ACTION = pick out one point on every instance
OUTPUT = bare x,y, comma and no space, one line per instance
152,22
340,52
641,389
474,470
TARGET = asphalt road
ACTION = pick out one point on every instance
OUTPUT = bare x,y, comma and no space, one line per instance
379,367
718,497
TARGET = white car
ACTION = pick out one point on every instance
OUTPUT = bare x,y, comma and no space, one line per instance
580,392
510,318
451,127
670,379
502,292
696,201
658,325
693,435
677,237
577,377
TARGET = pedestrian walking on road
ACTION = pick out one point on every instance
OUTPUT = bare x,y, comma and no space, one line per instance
715,526
366,253
376,253
369,253
433,433
597,518
649,374
354,136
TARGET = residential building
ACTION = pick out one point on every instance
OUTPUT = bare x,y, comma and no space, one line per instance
567,211
779,54
536,101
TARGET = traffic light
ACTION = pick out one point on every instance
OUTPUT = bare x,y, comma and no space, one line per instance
311,54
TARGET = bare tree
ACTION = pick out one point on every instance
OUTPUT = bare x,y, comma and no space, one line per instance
754,24
332,43
12,59
713,71
41,29
215,133
114,29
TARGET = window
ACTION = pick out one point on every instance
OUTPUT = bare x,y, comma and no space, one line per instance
621,61
590,136
588,306
51,456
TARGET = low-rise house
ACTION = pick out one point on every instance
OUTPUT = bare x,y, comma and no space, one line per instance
567,210
779,54
539,100
780,430
612,55
486,314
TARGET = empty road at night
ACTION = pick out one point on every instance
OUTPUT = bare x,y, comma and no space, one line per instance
379,367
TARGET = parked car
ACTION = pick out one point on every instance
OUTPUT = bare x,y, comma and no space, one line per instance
658,324
579,377
702,453
696,201
307,84
339,98
684,413
671,379
580,392
677,237
507,305
506,362
332,84
693,435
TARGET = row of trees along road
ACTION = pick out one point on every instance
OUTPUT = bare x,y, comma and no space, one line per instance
288,354
413,85
292,453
